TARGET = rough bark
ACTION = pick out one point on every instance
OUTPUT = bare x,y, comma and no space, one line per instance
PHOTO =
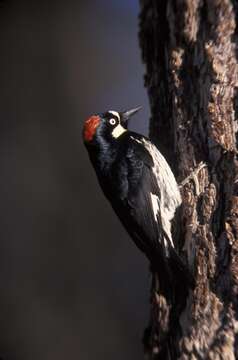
190,51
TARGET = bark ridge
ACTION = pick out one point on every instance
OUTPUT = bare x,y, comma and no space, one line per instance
190,51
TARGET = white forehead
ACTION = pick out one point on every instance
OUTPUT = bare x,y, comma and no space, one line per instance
115,113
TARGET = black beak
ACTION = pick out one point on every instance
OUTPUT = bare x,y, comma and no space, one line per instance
127,114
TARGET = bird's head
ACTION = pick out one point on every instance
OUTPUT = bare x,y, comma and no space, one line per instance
109,125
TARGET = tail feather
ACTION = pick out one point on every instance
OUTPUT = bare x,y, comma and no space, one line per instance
179,270
175,279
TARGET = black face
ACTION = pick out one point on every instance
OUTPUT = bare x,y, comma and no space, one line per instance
111,119
106,127
110,127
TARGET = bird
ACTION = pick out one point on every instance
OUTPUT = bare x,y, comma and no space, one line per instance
140,186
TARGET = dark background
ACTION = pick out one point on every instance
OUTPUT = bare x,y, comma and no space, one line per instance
72,284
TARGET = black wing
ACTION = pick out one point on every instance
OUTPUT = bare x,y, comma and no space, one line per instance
136,210
134,207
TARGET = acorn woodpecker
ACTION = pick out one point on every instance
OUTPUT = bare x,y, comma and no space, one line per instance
139,184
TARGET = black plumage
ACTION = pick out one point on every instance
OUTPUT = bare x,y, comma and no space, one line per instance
140,186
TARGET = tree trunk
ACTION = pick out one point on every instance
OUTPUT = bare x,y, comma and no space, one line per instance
190,51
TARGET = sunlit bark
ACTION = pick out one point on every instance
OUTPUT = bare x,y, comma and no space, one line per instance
190,51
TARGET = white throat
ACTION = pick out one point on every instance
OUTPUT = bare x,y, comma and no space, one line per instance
118,131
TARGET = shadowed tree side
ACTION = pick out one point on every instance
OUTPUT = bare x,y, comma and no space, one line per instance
190,51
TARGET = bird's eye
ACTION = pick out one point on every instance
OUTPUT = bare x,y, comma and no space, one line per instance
112,121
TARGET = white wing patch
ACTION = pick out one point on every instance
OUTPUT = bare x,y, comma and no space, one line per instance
170,197
155,205
115,113
118,131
